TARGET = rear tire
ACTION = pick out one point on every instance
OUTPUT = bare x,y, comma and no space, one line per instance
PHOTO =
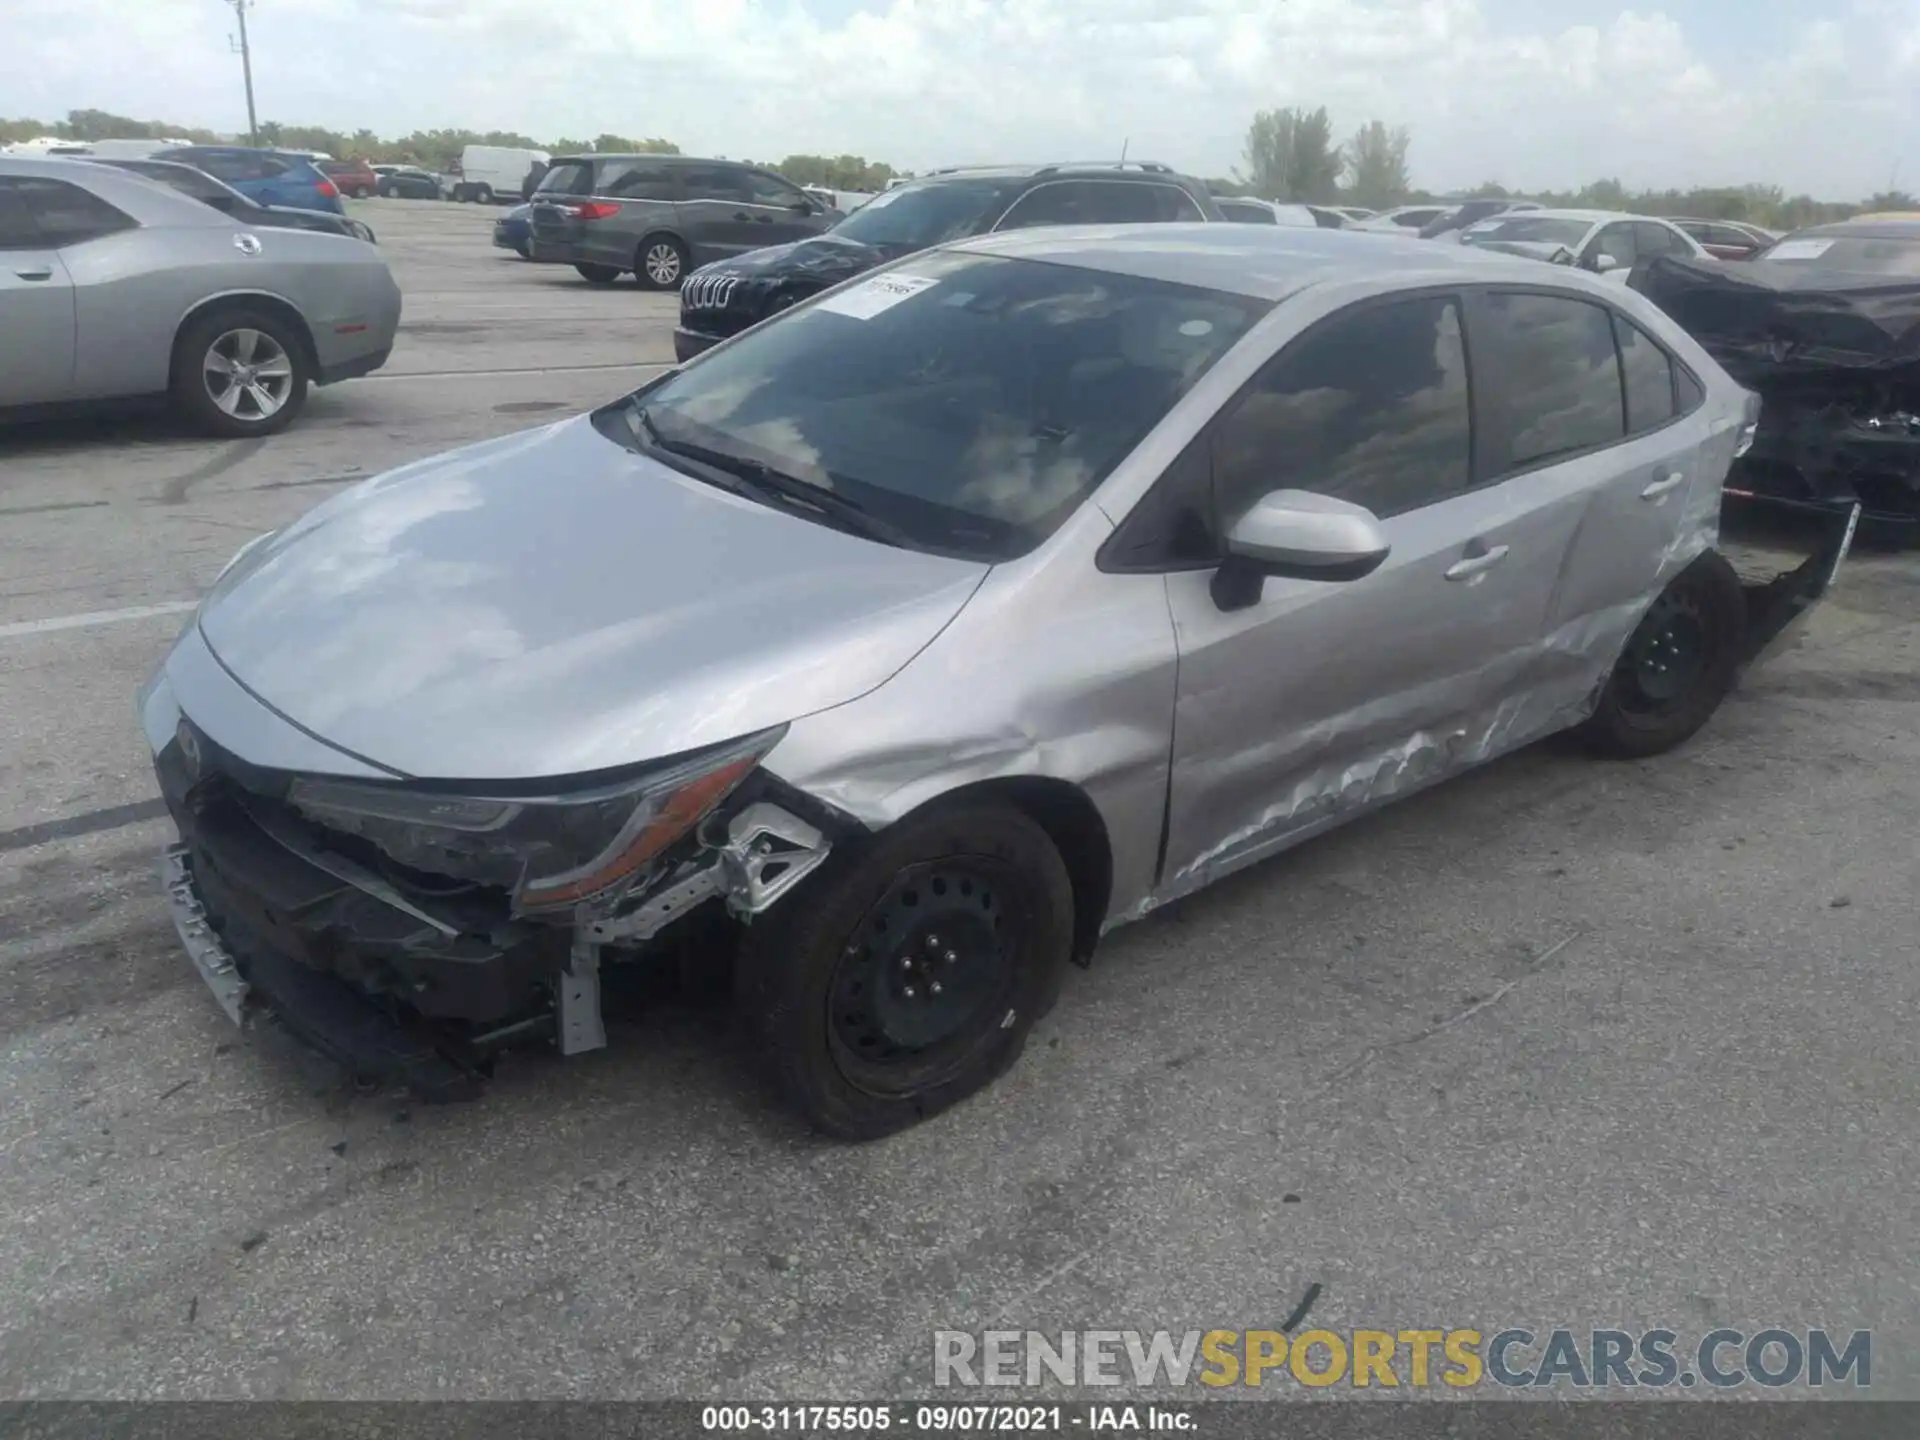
598,274
906,975
240,372
484,194
660,263
1679,664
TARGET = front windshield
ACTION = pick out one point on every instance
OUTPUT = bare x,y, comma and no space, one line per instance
1861,254
968,402
1532,228
917,217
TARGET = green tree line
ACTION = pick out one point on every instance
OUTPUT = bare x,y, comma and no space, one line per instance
1290,154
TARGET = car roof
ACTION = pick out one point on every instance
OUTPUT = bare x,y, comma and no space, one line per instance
150,201
1874,229
1258,261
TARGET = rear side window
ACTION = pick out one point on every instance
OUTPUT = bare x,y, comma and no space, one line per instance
17,230
232,165
636,180
65,214
1561,389
569,177
1372,406
1242,213
1647,376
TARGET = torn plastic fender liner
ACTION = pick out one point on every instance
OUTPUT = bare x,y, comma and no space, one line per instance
1779,607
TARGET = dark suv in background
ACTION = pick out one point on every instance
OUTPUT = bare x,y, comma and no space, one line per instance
658,217
725,297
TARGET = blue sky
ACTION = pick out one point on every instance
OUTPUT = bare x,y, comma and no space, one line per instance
1534,93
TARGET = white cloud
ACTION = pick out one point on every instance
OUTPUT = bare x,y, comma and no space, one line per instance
1546,102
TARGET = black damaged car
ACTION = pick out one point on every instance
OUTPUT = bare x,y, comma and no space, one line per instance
722,299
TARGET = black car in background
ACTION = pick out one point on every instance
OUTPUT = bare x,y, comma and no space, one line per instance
223,197
658,217
407,182
1471,212
725,297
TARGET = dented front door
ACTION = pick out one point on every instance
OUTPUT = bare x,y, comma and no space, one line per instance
1327,697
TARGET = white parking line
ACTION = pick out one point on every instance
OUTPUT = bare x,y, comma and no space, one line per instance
396,375
95,617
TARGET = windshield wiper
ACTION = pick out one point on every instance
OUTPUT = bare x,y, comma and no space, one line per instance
766,481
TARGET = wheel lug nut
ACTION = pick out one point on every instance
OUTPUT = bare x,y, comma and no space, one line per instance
906,962
934,988
933,942
950,957
908,992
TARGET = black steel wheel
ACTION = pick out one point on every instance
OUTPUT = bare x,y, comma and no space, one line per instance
1678,664
906,975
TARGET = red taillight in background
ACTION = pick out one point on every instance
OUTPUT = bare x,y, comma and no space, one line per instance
328,189
596,210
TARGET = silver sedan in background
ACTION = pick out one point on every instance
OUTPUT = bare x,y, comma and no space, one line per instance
115,287
896,649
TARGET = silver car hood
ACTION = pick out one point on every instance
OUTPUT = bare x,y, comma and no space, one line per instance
550,603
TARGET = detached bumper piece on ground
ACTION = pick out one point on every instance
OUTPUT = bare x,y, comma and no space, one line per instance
1835,358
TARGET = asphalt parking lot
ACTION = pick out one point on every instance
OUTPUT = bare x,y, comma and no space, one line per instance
1562,1043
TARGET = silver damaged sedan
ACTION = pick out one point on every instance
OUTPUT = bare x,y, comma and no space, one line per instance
886,656
115,287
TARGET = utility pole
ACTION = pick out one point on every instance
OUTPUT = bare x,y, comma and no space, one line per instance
240,8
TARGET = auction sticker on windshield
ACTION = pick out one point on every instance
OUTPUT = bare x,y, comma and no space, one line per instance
1799,250
881,293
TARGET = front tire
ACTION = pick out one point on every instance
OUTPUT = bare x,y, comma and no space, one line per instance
1678,665
240,373
661,263
598,274
906,975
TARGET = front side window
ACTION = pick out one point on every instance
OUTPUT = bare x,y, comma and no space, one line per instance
770,190
1059,202
715,182
1133,202
970,402
1618,242
1561,390
920,216
1370,406
1651,239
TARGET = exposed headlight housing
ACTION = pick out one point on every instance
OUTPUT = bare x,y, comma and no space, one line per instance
552,853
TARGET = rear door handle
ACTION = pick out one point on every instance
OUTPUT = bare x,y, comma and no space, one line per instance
1474,565
36,272
741,215
1664,486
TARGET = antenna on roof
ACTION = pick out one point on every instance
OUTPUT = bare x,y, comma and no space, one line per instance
1123,149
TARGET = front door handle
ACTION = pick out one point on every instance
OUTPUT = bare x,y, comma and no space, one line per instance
1664,486
741,215
35,272
1474,565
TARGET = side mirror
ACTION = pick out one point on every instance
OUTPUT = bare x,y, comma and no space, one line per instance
805,206
1297,535
1603,262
